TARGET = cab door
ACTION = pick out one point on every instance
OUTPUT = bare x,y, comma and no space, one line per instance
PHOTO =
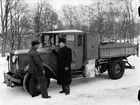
79,51
71,43
75,42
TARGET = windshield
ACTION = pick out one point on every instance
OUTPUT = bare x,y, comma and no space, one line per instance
50,40
53,40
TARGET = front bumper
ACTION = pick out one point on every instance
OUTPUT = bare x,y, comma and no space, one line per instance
10,80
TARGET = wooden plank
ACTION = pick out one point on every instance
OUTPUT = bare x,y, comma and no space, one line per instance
117,51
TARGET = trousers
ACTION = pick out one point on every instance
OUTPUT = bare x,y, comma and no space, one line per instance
66,88
36,78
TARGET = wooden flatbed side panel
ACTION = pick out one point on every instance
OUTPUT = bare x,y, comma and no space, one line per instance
108,53
104,53
117,52
130,51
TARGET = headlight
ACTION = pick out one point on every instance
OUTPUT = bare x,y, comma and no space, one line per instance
17,64
14,58
15,61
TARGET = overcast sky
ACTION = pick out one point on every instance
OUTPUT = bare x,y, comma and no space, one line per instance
57,4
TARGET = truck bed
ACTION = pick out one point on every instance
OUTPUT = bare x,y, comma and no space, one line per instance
110,50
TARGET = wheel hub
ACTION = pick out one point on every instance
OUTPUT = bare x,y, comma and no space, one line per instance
117,69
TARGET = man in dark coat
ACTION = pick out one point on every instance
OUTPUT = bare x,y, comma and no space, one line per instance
37,71
64,59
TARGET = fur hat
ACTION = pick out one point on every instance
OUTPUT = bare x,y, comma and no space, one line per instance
34,43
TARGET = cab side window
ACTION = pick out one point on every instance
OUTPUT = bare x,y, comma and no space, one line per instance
70,41
79,40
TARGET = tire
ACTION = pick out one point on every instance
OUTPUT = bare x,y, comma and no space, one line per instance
26,83
116,69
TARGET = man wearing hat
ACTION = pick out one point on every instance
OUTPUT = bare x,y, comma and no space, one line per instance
64,58
37,70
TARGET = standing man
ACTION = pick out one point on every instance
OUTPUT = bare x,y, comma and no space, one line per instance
37,70
64,59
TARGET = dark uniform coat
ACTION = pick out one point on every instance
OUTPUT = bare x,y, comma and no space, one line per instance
64,59
35,62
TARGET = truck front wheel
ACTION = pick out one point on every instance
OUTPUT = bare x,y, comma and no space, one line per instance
26,83
116,69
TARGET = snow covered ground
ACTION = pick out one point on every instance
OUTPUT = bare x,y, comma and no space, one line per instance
100,90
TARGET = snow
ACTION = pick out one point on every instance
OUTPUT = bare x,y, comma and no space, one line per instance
2,60
90,69
100,90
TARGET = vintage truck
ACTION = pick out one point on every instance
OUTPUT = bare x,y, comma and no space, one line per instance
86,49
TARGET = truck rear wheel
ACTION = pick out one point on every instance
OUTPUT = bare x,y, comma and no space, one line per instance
116,69
26,83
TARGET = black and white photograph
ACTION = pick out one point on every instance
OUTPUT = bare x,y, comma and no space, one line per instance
69,52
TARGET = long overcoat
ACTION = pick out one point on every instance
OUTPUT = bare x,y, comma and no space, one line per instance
35,62
64,59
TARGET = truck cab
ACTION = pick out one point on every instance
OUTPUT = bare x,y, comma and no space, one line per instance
74,40
18,62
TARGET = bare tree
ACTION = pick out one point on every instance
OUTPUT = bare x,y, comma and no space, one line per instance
37,17
68,15
74,16
126,20
5,7
131,20
11,13
18,12
44,17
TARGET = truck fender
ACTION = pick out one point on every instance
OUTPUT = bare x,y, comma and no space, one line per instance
49,72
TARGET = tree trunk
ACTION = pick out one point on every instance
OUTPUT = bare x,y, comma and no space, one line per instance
3,46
